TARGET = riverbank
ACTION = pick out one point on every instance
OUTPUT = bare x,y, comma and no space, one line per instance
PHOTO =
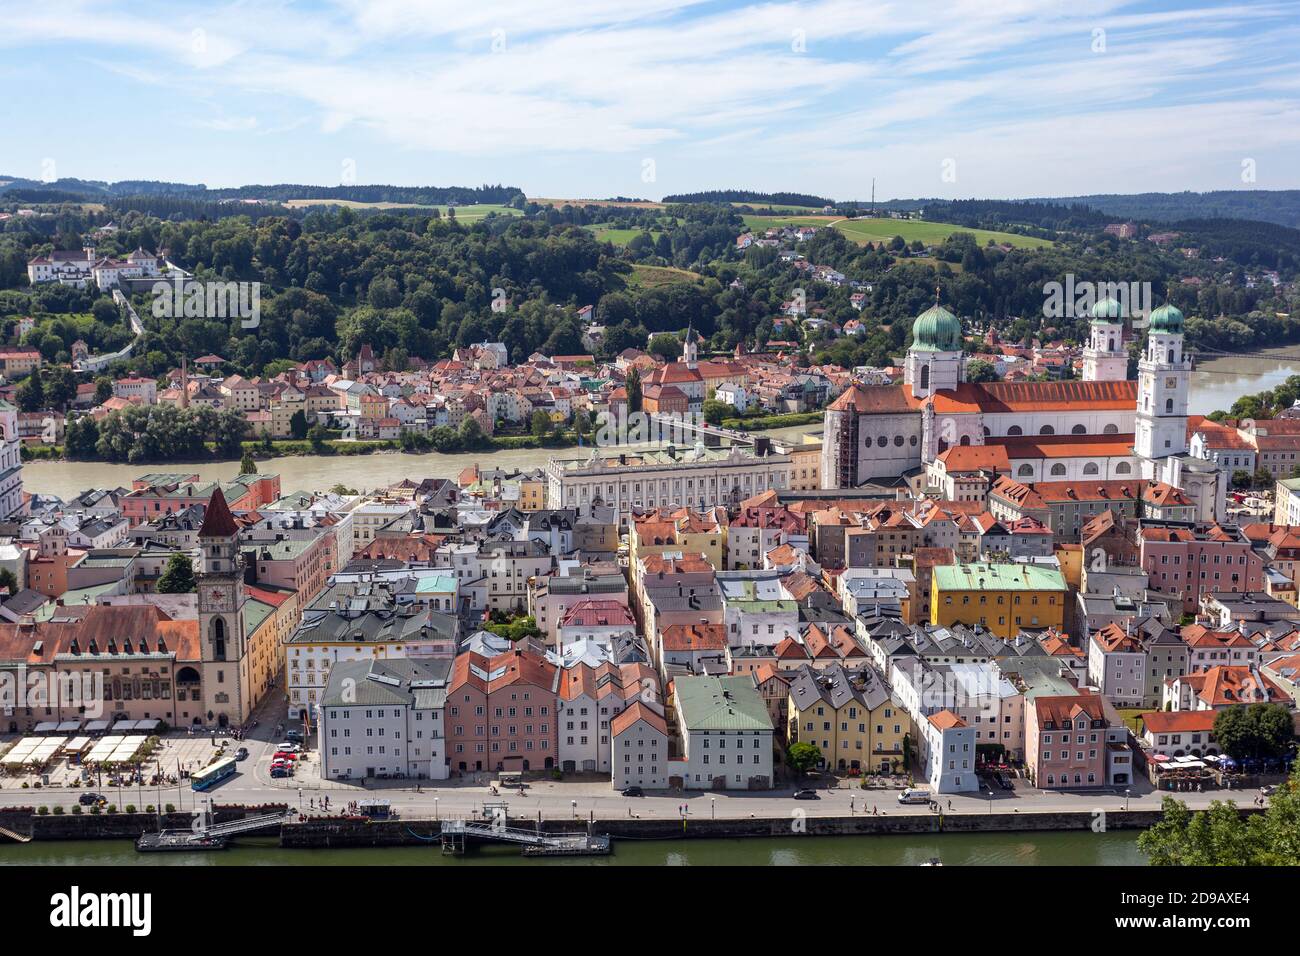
1079,848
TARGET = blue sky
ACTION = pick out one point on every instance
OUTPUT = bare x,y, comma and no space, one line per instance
593,98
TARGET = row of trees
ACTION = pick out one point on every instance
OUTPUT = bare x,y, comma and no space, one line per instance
153,433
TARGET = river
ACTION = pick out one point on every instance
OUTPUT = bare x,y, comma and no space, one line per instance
312,472
953,849
1216,384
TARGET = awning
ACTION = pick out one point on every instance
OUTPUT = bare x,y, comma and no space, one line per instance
69,726
47,726
96,725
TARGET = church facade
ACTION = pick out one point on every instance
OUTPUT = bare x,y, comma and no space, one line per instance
1104,426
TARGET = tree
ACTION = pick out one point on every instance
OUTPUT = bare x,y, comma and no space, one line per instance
803,756
9,582
298,425
317,435
633,388
247,466
60,386
30,395
80,437
540,424
979,370
103,389
715,411
666,346
1254,731
1241,479
1220,836
178,577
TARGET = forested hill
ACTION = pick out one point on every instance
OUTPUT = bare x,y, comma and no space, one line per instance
1281,206
750,196
71,190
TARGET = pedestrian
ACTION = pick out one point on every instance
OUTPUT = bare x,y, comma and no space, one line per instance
950,806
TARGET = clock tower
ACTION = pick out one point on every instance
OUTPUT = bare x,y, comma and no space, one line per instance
220,585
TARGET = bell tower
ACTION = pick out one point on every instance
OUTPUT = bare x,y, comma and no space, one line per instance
1164,376
220,585
1105,360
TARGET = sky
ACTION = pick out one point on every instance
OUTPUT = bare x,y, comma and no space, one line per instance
642,98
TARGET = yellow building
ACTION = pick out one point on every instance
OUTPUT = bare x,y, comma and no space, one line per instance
1070,557
532,492
1002,598
806,467
682,530
849,716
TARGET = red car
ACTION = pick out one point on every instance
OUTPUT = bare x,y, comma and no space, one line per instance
285,755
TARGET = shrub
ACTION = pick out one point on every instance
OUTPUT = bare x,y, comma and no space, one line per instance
76,809
171,808
94,810
111,808
58,810
42,811
130,808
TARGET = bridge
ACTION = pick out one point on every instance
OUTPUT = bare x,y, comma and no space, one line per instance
456,834
701,427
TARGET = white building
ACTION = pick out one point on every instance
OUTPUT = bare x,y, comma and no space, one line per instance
640,749
11,462
726,735
383,718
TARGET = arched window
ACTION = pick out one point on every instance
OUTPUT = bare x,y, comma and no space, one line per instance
1014,430
1169,405
882,441
965,440
1047,430
1078,430
1091,469
1110,430
218,639
925,377
987,433
1058,470
898,441
1123,468
1171,356
1025,471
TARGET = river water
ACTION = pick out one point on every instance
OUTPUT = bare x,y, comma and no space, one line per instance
953,849
1216,384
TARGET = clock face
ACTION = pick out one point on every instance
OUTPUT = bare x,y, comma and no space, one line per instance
217,598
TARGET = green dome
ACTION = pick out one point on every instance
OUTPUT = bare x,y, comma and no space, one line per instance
1167,318
937,330
1107,311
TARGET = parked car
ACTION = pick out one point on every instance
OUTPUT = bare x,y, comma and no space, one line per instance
241,753
278,772
633,792
293,735
90,799
807,795
285,755
914,795
288,746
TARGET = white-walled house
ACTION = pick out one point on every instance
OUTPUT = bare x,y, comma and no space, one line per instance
640,749
384,718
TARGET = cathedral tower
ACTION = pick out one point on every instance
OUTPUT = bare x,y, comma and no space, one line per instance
1164,375
1105,360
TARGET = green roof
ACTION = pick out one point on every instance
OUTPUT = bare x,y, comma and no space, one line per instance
721,703
937,330
1107,310
1167,318
997,577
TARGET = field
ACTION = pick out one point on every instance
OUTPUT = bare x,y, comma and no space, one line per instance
649,277
882,230
619,237
559,203
463,213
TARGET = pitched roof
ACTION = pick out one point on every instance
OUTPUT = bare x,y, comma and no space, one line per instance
218,522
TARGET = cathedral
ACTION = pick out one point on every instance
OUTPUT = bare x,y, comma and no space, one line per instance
1104,427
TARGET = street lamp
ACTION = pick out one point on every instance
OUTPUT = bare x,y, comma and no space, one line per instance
574,804
713,808
1126,793
435,808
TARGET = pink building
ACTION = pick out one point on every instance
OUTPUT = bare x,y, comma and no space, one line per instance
1071,743
501,712
1188,562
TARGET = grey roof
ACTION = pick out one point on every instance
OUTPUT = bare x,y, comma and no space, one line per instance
418,682
836,686
354,626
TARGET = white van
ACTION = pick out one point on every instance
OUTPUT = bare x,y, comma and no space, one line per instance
913,795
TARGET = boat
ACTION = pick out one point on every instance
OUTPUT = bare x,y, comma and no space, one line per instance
933,861
178,841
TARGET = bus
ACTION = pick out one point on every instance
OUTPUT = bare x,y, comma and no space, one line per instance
213,774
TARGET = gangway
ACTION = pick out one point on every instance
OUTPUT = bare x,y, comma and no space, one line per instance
205,836
456,834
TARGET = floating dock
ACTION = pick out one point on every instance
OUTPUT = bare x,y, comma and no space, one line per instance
215,837
458,834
